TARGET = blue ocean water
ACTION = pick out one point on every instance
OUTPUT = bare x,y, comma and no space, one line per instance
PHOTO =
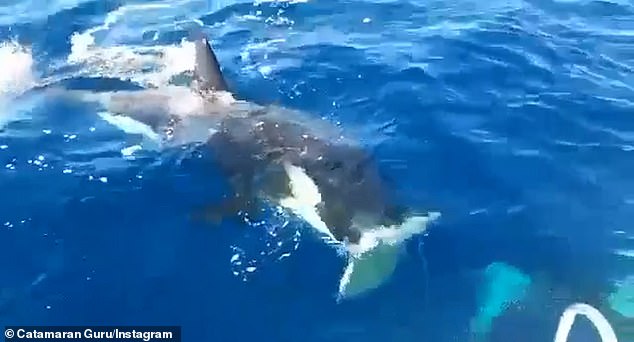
511,118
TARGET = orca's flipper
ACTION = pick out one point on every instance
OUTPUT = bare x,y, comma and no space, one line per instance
229,208
207,70
243,201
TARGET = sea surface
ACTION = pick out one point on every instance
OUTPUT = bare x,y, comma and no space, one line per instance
513,119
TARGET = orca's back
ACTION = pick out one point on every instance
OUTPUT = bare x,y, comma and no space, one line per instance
347,176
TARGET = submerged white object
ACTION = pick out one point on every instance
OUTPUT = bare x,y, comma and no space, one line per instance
129,125
371,261
598,320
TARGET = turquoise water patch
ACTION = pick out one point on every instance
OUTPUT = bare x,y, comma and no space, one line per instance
622,300
502,286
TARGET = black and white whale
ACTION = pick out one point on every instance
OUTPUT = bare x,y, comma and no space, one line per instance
284,157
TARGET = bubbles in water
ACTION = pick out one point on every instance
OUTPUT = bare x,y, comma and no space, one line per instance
241,265
277,241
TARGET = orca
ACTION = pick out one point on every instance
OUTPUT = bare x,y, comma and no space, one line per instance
271,154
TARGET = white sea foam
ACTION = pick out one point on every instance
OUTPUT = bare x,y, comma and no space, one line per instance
20,76
14,80
106,50
147,65
110,48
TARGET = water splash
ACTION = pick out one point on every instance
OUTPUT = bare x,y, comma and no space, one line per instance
15,80
20,76
111,56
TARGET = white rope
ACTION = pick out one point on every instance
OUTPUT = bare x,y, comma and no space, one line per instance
598,320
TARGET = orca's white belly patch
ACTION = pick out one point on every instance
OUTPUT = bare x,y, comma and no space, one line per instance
305,197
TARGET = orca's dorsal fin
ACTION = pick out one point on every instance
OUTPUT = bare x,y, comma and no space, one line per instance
206,69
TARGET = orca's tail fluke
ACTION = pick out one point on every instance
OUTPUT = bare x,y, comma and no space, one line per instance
368,271
207,69
372,262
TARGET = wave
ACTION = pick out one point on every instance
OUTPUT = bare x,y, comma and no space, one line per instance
15,11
